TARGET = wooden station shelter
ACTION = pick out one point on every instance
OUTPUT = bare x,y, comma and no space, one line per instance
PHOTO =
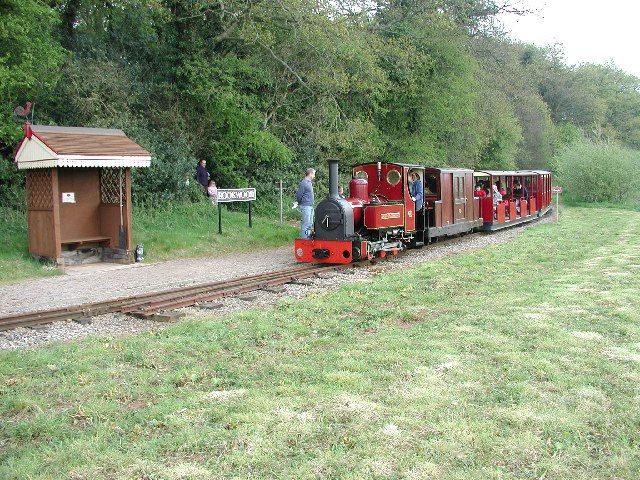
79,192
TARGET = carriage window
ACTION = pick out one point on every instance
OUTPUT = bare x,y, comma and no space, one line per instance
361,174
393,177
458,187
528,184
430,184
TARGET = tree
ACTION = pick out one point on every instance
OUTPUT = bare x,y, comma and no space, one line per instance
514,70
499,127
618,95
30,59
603,101
428,116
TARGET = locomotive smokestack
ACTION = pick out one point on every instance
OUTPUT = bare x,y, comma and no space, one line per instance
333,179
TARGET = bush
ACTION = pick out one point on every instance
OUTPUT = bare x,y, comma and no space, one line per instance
592,171
11,185
170,177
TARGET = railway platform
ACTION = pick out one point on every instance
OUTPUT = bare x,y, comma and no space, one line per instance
99,282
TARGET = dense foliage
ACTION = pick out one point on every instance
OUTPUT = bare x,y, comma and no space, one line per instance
261,90
600,172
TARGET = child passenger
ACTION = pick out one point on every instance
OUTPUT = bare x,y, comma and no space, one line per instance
212,192
497,196
479,192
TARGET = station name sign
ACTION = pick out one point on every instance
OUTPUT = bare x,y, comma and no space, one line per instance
236,195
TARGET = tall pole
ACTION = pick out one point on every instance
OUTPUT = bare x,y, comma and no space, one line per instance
280,200
557,207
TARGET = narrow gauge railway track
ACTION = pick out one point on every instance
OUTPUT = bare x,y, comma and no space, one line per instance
148,304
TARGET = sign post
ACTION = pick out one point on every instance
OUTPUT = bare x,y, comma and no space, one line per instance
234,195
557,191
280,182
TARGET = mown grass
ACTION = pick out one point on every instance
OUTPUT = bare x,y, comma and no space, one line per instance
173,232
520,360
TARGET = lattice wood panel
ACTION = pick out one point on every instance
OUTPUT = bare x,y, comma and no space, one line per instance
111,183
40,190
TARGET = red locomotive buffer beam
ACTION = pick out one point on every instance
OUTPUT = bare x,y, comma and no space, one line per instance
328,251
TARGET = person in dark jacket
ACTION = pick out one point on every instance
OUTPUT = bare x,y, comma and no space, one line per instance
520,190
304,197
202,175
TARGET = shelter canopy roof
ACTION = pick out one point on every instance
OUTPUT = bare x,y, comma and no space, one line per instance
46,146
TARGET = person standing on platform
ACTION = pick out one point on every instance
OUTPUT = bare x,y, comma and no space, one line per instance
202,175
304,197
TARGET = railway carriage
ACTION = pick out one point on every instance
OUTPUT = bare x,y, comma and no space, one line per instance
450,207
379,217
522,196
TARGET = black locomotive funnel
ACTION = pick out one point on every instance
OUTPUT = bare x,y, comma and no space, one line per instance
333,179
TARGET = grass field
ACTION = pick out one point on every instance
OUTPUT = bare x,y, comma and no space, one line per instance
15,262
180,231
520,360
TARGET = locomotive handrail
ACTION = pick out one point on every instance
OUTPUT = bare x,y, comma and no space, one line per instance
376,195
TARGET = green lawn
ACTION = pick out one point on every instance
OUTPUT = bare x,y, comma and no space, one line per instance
188,231
520,360
15,262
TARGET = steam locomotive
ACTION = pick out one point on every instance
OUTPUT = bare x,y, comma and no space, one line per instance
379,217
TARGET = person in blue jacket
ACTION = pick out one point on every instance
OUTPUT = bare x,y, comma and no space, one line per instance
304,197
416,191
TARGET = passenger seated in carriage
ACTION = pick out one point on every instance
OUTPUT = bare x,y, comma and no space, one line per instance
479,192
520,192
517,189
497,196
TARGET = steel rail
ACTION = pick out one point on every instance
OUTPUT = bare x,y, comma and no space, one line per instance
194,290
146,309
